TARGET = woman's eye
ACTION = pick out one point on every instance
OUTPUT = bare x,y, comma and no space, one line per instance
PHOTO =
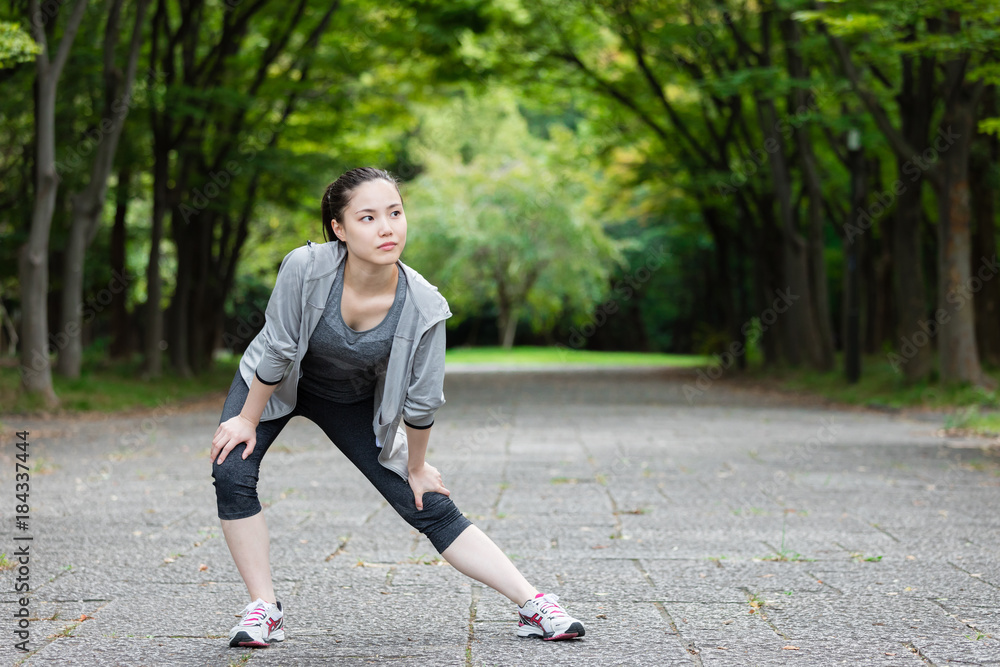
400,212
367,216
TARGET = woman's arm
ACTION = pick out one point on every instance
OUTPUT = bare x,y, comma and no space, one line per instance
423,398
282,317
242,427
260,394
416,444
425,393
422,476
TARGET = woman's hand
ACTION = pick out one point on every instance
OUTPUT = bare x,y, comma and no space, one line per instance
425,480
231,433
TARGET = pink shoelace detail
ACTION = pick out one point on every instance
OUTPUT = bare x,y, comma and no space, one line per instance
550,608
254,616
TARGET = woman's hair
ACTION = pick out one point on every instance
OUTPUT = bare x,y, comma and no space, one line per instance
338,195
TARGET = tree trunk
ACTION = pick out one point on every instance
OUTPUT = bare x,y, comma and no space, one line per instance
854,246
983,185
957,350
202,300
70,345
511,296
768,278
154,284
121,340
878,275
819,298
509,329
88,205
33,265
724,296
915,106
803,339
177,335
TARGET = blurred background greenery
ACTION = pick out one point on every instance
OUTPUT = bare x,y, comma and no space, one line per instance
580,178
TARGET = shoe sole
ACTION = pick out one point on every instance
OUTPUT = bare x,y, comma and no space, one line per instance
243,639
572,632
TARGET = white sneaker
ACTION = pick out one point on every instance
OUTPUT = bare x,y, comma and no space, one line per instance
262,624
543,617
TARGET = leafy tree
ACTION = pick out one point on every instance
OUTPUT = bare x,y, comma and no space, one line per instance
503,218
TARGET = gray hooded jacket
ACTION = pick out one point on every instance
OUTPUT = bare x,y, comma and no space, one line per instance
409,390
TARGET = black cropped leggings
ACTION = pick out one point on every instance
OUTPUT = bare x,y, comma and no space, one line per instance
349,426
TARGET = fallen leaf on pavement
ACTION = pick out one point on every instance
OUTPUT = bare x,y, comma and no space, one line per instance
790,648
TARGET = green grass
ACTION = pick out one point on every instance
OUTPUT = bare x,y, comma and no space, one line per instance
109,387
971,408
557,356
971,418
879,386
112,386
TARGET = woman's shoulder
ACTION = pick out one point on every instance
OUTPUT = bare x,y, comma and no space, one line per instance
428,293
298,259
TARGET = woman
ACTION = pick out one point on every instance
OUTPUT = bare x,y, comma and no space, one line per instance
337,311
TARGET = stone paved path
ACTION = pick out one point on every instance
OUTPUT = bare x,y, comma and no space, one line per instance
737,528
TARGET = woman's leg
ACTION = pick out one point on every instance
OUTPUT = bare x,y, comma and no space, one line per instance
239,508
460,542
250,547
475,555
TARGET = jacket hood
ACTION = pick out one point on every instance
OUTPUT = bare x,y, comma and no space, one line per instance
325,258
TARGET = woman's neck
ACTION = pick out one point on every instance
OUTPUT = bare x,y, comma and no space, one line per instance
367,279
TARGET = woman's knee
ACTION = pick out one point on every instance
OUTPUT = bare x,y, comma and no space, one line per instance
438,511
443,521
235,484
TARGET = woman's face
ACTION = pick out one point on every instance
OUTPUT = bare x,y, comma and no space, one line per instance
374,224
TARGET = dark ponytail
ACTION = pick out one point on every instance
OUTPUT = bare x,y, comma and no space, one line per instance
338,195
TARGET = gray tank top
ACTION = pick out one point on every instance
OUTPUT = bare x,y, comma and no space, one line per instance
341,364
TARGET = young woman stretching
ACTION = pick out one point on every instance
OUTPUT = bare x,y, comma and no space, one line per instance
337,311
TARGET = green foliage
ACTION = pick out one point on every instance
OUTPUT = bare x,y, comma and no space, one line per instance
501,217
16,45
544,162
